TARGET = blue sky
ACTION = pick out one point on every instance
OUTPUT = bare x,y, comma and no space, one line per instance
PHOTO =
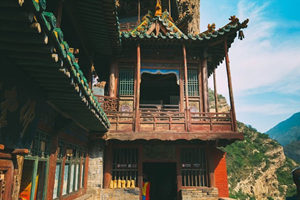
266,64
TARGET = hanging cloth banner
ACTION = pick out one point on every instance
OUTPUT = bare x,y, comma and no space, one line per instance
162,72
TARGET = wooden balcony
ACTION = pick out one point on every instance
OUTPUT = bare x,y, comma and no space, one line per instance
168,123
150,121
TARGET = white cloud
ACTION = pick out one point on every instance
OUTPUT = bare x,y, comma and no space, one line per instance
266,61
259,61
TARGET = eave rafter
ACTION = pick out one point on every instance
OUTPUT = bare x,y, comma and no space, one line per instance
38,48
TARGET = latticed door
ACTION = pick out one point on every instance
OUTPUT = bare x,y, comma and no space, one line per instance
126,82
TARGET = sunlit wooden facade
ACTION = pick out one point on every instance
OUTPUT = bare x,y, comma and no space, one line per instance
152,119
167,123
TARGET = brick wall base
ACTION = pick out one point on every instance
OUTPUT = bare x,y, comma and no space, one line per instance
200,194
120,194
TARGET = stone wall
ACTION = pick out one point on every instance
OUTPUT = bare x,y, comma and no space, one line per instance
200,194
117,194
95,173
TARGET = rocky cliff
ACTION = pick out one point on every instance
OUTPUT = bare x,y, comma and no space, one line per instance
257,166
189,14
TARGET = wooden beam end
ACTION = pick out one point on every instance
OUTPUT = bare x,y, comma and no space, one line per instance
20,151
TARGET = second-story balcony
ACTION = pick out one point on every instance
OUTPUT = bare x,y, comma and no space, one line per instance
155,119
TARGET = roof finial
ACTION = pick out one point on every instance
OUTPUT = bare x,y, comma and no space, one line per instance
158,8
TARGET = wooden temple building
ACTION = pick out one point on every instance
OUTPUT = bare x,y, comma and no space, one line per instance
60,138
158,107
48,113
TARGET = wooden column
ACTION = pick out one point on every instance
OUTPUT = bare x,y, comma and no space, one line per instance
186,87
178,170
140,169
211,156
139,11
90,76
62,176
112,80
170,7
137,93
181,77
108,166
59,13
205,85
86,172
230,86
52,166
215,90
200,83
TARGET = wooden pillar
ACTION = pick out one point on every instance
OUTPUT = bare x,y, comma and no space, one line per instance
170,7
137,93
86,172
59,13
90,76
205,85
52,166
178,170
186,88
200,83
230,86
139,11
33,178
108,166
215,90
140,169
181,86
62,176
211,156
112,80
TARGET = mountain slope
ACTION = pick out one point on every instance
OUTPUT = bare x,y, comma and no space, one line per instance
292,150
286,131
257,166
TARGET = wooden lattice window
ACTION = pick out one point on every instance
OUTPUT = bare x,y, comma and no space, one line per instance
125,168
193,83
40,146
58,169
126,82
36,168
72,170
194,167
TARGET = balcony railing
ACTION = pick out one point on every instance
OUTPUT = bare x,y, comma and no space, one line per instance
158,120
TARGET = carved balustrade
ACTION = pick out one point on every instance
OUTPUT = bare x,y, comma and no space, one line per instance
108,104
152,119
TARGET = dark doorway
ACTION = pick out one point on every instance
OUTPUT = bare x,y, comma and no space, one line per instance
162,178
159,89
